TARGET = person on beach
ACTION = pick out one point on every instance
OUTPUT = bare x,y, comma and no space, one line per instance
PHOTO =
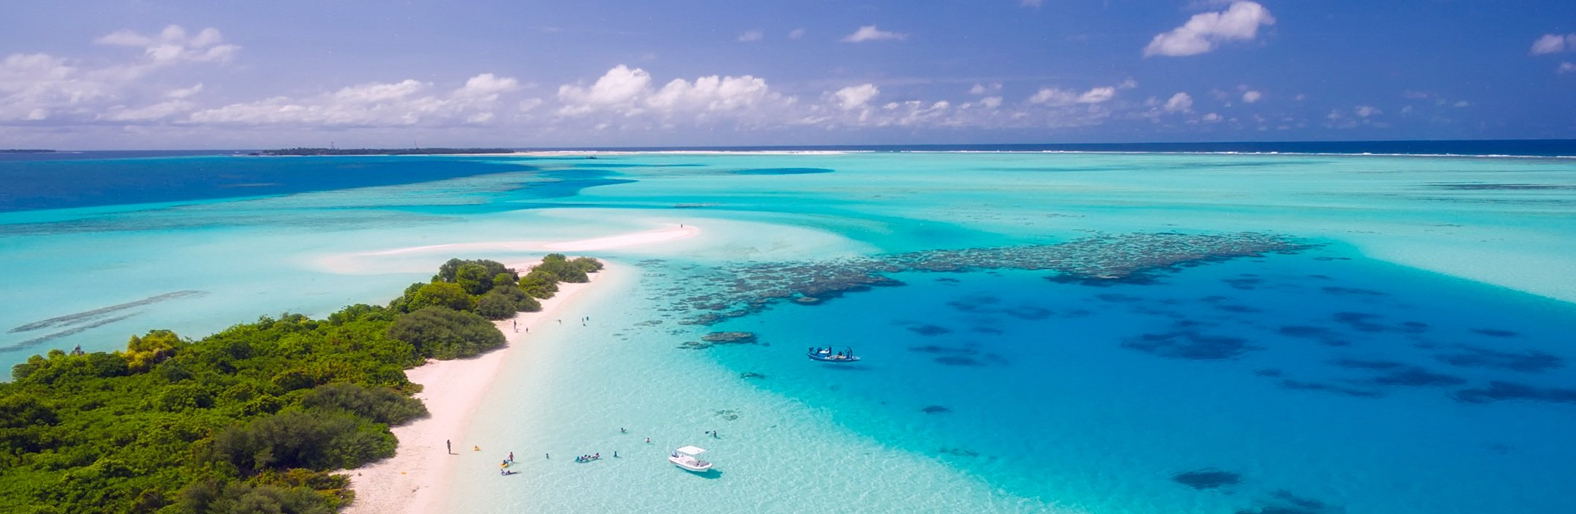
511,456
448,446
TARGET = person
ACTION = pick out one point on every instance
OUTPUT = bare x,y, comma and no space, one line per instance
511,456
476,448
448,446
615,454
623,430
548,455
597,456
648,440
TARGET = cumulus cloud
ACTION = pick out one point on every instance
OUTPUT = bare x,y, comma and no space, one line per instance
991,102
1566,67
1212,118
1054,97
796,34
1180,102
1251,96
1553,44
980,89
854,97
630,92
173,44
871,33
619,86
1364,111
1204,32
751,36
403,103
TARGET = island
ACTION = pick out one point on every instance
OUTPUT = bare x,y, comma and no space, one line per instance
260,417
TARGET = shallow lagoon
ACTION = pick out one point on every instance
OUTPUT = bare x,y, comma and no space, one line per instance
1418,360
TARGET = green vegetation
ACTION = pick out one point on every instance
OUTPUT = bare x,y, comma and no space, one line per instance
255,418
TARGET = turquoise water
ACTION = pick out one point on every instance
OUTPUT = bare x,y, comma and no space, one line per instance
1418,359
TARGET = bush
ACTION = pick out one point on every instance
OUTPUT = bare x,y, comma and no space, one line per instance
450,271
318,439
539,284
495,307
563,271
379,404
441,294
444,333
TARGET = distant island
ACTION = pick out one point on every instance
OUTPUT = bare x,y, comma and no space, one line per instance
381,151
25,150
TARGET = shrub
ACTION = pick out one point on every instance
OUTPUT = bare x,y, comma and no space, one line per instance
441,294
379,404
444,333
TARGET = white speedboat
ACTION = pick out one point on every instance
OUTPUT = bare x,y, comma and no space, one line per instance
685,458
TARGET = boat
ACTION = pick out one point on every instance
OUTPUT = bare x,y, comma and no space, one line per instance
685,458
826,355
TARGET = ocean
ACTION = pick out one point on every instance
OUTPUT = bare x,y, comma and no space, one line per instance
1101,330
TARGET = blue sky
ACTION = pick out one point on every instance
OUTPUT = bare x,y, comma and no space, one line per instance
129,74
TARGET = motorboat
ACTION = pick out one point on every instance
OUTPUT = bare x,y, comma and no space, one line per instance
827,355
686,458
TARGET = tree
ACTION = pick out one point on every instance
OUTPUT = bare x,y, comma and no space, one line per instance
444,333
539,284
474,278
441,294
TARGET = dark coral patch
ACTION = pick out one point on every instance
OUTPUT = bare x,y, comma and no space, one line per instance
1298,385
1530,361
1029,312
1352,291
955,360
1413,376
929,330
1496,332
1501,391
1186,343
1366,322
1244,283
1365,364
1207,479
935,409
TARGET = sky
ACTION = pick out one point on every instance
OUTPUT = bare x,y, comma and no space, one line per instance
141,74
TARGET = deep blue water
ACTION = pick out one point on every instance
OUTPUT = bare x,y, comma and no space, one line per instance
1321,379
97,181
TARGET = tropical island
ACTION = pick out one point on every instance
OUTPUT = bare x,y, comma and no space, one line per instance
379,151
25,150
259,417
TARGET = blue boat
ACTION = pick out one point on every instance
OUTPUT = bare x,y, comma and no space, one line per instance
826,355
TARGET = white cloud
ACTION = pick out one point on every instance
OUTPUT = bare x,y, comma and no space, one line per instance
620,85
980,89
1553,44
1054,97
854,97
1463,103
871,33
174,44
1127,84
713,93
991,101
1211,118
796,34
1031,3
404,103
1566,67
185,92
158,111
1365,111
1203,32
1252,96
1180,102
751,36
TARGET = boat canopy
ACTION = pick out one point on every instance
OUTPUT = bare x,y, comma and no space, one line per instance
691,450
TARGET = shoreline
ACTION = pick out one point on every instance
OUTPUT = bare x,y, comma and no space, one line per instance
412,481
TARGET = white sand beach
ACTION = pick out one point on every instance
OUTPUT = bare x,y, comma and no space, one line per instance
383,261
412,479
